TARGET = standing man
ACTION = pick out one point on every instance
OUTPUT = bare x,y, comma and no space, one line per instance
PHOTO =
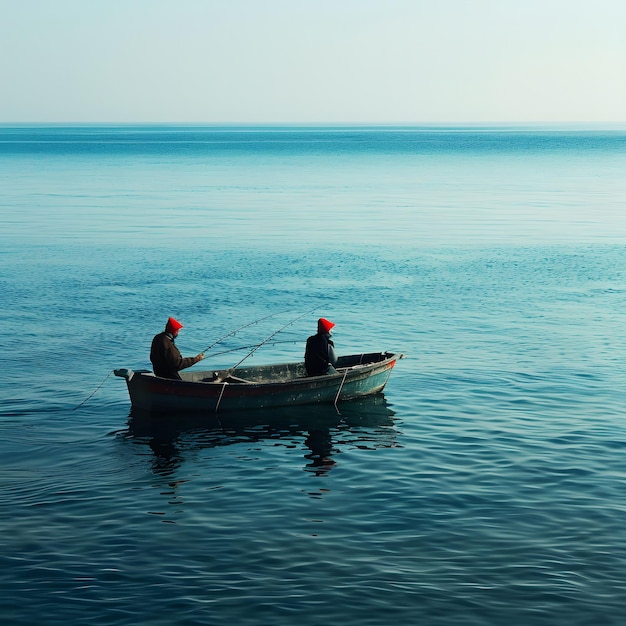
165,356
319,356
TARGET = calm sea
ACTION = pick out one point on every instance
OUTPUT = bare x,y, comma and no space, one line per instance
487,486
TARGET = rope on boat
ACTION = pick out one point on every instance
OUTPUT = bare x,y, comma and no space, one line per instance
343,380
217,406
93,393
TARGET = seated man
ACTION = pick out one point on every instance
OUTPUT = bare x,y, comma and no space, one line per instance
165,356
319,356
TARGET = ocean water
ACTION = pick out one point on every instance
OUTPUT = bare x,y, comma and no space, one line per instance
486,486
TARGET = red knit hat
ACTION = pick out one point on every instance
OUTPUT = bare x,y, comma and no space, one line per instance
172,325
324,325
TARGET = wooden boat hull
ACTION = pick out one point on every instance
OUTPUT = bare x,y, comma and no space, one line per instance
260,387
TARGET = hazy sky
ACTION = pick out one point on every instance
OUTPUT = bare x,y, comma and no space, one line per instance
387,61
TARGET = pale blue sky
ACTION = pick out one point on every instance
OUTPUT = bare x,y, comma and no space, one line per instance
316,61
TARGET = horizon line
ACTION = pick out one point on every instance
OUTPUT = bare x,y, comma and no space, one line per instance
616,125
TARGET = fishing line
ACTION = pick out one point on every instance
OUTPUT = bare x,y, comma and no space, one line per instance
230,334
93,393
272,335
272,343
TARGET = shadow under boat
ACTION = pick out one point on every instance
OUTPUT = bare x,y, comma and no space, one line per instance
366,423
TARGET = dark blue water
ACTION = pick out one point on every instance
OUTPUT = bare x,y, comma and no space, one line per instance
486,486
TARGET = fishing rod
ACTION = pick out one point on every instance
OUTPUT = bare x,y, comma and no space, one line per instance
256,345
272,335
233,332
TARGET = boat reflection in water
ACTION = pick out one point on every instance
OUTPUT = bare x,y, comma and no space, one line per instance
366,423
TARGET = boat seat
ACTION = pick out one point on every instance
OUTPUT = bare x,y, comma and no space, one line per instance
224,377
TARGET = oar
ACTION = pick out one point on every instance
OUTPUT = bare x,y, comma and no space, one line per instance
272,335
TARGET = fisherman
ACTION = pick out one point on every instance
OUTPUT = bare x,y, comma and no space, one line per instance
165,356
319,356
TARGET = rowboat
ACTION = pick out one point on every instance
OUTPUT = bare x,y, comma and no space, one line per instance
259,387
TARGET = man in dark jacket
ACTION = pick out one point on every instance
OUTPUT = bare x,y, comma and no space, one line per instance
165,356
319,356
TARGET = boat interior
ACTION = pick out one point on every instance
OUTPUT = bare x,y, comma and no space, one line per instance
279,372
